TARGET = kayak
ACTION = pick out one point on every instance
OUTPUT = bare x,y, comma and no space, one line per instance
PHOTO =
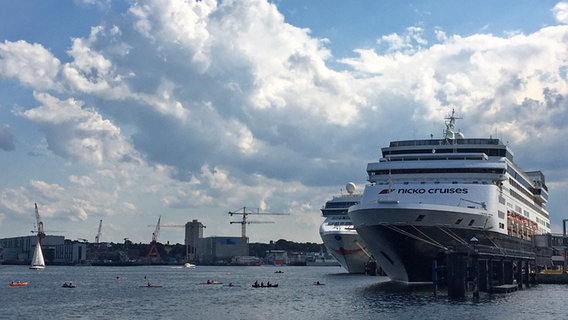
265,286
231,285
18,284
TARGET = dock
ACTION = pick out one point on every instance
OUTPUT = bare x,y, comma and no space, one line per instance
478,268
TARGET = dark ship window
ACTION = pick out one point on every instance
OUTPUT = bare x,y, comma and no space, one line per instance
420,217
459,220
471,222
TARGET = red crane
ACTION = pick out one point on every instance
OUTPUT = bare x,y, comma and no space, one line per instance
154,253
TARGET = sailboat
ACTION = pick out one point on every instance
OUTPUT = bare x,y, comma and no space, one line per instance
37,260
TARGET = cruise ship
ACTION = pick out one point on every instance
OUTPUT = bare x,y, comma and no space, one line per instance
339,235
427,196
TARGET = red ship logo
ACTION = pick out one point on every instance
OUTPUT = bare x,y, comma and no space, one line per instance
342,251
386,191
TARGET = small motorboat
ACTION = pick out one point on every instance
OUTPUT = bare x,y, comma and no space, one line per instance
18,284
188,265
149,285
68,285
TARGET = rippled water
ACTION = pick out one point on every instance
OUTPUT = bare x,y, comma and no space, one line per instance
100,295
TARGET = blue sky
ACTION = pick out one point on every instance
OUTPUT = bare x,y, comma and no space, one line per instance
127,110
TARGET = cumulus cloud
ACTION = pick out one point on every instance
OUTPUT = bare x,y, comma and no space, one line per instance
31,64
560,12
77,133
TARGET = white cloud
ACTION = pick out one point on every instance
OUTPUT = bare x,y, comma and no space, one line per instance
560,12
31,64
78,133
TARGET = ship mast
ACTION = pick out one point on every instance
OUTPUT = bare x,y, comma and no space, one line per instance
450,134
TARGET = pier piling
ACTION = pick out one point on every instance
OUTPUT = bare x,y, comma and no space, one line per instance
479,268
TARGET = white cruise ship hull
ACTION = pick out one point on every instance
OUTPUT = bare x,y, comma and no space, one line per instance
347,247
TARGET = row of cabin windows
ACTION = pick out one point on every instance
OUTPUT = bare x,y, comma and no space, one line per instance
340,223
436,170
527,203
335,205
526,183
444,142
488,152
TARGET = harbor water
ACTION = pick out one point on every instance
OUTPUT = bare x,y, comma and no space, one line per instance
122,293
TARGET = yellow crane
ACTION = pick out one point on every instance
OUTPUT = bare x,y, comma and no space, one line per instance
244,211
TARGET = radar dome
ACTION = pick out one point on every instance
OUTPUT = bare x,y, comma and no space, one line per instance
350,187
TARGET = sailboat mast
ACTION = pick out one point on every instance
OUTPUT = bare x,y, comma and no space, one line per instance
37,258
39,224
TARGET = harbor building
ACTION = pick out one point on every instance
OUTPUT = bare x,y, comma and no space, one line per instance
277,257
193,233
221,249
56,250
213,250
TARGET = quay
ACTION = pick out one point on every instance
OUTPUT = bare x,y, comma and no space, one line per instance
478,268
552,278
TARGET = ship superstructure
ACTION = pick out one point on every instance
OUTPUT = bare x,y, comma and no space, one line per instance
427,196
339,234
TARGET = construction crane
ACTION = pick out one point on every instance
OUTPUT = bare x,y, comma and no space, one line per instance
97,241
153,249
39,226
245,212
98,236
155,236
166,225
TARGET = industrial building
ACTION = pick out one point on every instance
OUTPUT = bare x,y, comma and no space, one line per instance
193,232
56,250
212,250
221,250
